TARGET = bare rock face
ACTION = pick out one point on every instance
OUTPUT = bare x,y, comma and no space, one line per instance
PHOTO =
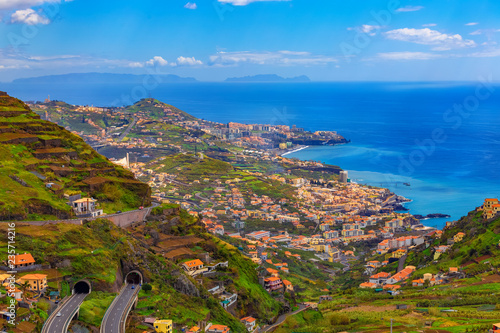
65,263
183,285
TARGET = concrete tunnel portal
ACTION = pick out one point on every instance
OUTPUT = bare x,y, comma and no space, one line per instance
134,277
82,287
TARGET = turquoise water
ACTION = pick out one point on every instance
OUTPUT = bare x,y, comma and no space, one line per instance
442,138
451,195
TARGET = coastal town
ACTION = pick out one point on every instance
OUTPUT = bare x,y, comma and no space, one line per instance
249,166
228,207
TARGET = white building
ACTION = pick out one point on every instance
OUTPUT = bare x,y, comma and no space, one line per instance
86,207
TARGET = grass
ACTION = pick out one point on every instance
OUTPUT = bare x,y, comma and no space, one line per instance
94,307
25,196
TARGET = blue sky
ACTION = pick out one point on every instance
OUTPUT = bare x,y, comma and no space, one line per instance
330,40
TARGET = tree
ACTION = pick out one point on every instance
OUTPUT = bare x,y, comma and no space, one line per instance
24,286
147,287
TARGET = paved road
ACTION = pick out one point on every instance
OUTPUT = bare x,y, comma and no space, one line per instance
127,131
147,209
68,309
183,200
282,318
401,262
206,199
112,321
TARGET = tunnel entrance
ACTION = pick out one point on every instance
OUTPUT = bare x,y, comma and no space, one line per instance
81,287
134,277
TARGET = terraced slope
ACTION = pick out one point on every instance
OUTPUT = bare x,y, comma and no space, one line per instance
40,162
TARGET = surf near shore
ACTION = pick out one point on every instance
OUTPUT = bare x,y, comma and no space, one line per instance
295,150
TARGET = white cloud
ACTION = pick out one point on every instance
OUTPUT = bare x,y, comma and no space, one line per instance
188,61
472,23
12,60
429,25
295,53
407,56
484,31
24,4
190,5
157,61
409,9
283,58
245,2
367,29
28,16
135,65
492,53
440,41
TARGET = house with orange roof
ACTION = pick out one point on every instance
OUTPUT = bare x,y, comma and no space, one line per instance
23,260
193,267
273,284
398,253
400,276
418,283
379,278
288,285
273,272
37,282
249,323
217,329
368,285
490,208
458,237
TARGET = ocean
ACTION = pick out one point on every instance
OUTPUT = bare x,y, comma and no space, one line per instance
442,139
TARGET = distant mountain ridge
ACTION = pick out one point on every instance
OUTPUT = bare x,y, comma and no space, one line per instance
101,78
268,78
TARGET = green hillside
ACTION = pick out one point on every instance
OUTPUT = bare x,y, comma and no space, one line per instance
468,301
41,161
212,172
478,252
155,109
103,253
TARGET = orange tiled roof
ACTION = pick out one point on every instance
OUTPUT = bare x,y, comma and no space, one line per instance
25,258
193,263
34,277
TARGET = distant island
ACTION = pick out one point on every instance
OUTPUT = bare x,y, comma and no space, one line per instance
268,78
100,78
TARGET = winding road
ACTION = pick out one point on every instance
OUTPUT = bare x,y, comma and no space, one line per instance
68,309
116,315
282,318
